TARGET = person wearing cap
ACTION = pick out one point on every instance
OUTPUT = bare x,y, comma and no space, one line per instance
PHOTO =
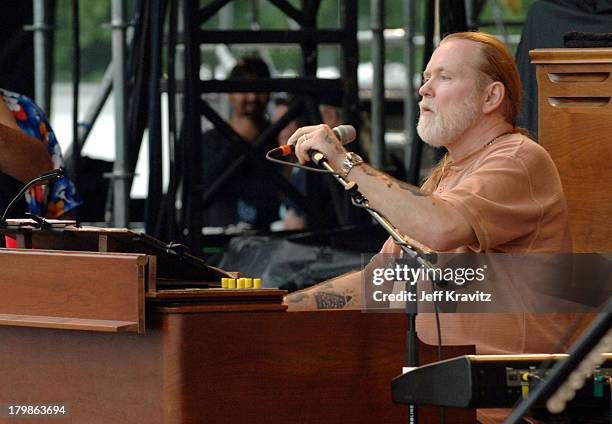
249,199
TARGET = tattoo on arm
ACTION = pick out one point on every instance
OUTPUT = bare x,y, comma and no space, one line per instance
414,190
331,141
373,172
368,170
296,298
331,300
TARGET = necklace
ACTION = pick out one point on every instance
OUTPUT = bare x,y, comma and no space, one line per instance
445,159
499,136
479,148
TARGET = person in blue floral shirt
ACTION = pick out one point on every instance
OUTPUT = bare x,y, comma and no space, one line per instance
59,198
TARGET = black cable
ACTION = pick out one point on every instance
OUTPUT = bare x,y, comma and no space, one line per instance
297,165
438,328
441,411
169,199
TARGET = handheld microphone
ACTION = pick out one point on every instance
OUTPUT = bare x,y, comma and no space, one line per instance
44,178
345,133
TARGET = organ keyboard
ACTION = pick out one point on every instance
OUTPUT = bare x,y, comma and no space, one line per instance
491,381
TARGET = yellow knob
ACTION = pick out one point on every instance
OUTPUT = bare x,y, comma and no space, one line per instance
240,283
257,283
248,283
224,283
231,283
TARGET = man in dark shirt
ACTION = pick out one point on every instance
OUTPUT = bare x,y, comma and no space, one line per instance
249,197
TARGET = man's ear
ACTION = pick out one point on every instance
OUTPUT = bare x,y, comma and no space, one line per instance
494,97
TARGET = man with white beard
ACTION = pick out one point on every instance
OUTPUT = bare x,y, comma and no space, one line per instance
495,190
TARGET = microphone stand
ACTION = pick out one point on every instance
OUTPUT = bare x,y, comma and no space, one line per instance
409,250
44,178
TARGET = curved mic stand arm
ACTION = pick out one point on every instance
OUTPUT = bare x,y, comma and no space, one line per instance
421,257
44,178
413,252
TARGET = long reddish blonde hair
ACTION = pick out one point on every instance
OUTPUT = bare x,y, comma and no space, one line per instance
497,63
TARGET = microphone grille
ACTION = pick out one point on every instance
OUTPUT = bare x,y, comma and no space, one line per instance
346,133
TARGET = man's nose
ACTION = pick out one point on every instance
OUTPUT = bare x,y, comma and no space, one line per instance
425,89
251,96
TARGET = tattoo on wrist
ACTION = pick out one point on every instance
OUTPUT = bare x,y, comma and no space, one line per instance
338,148
331,300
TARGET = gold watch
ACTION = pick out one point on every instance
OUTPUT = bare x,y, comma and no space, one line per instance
351,160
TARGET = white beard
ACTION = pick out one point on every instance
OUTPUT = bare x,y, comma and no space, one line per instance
443,127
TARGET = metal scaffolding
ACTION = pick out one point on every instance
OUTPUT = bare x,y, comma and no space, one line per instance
121,173
195,197
174,28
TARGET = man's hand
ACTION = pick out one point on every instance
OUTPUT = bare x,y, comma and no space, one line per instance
425,218
320,138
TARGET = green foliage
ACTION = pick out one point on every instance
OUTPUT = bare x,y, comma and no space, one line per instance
95,41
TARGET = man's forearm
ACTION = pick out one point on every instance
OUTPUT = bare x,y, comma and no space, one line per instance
424,217
343,292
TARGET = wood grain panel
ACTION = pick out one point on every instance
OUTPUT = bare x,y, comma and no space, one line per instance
578,137
174,264
306,367
230,367
67,323
99,377
571,56
88,286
